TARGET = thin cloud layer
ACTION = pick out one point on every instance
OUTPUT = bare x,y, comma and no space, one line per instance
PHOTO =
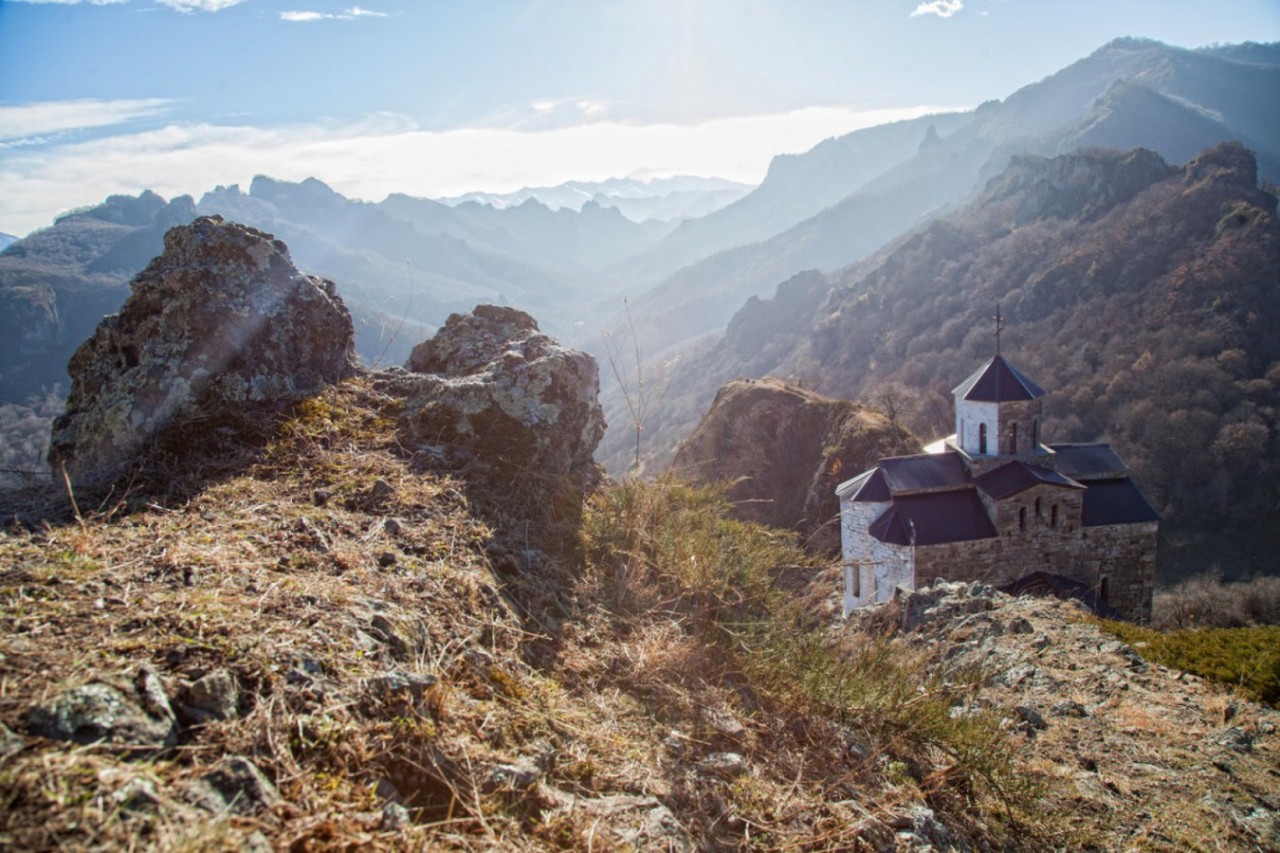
44,117
346,15
941,8
382,154
188,6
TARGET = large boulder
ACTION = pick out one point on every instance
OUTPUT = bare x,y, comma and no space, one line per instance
784,450
220,328
491,385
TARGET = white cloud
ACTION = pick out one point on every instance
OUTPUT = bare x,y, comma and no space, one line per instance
188,6
44,117
386,154
347,15
941,8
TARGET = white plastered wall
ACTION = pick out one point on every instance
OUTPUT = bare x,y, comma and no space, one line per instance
880,567
968,416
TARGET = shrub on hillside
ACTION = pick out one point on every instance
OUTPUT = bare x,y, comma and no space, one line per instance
1207,602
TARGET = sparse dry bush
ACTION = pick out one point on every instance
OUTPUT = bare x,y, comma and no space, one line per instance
1208,602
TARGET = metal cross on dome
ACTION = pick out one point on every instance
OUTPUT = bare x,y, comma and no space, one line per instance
999,325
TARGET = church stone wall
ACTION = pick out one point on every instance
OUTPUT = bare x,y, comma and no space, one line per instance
1122,554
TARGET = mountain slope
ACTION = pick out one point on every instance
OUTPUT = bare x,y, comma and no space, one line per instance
1144,296
1221,100
796,187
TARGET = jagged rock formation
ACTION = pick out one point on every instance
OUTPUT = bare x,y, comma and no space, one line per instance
784,449
218,327
491,384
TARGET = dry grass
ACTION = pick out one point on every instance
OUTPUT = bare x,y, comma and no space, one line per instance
617,676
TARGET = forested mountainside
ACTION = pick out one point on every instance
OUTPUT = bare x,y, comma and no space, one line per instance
1129,93
1143,296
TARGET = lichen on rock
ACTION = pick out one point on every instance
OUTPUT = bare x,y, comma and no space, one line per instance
492,385
219,328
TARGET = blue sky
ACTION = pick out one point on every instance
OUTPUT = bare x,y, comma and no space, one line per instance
436,98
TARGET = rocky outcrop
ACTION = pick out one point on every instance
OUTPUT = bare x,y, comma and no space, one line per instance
136,717
1080,185
219,328
784,450
490,384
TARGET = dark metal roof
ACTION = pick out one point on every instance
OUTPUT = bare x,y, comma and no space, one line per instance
997,381
1047,583
1086,461
904,474
1116,501
1017,477
867,486
934,518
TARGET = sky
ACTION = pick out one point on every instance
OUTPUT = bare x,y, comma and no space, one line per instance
440,97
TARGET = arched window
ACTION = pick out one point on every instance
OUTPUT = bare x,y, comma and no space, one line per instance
1104,589
1013,437
1053,516
1035,433
1022,518
1037,507
982,439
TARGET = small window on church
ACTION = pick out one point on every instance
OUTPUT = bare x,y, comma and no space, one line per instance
1022,518
1104,589
1035,433
982,439
1037,507
1013,438
1053,516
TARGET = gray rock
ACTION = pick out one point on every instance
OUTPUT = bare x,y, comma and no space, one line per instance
395,817
1030,717
11,743
514,777
723,764
1234,738
212,697
1020,625
490,383
1067,708
138,721
400,694
236,787
219,327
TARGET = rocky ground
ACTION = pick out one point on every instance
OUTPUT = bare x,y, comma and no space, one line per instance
1139,756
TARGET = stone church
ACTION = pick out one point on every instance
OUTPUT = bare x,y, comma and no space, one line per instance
991,503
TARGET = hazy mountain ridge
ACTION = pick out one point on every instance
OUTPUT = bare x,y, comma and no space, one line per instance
1142,295
796,187
640,200
1068,108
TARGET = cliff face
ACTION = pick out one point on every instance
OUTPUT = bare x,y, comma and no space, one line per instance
784,450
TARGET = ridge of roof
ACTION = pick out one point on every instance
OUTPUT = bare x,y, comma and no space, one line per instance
1017,476
997,381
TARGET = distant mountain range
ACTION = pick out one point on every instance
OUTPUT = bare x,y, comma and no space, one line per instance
657,199
571,255
6,239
